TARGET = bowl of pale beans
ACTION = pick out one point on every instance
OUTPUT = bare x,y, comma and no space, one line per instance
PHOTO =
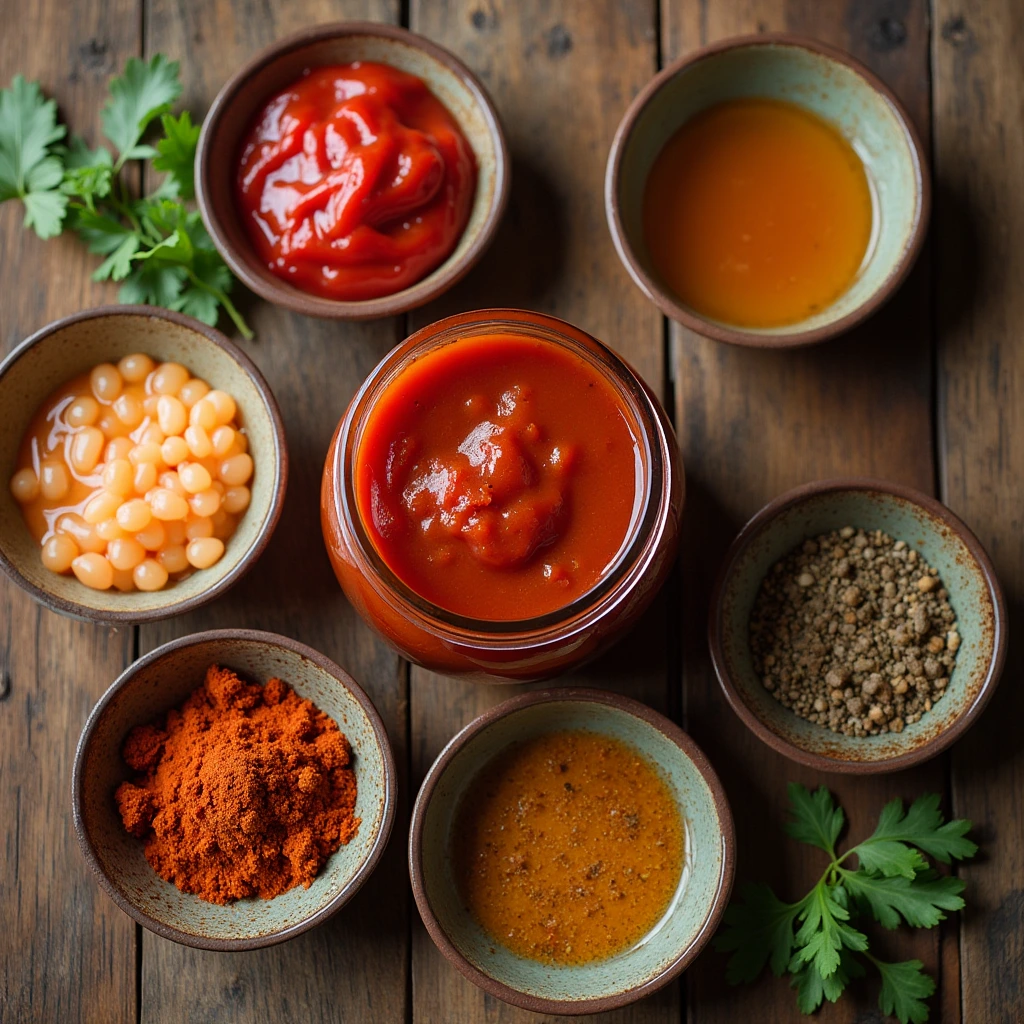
144,461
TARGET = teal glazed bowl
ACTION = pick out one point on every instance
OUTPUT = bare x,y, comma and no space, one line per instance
826,82
941,539
693,914
162,680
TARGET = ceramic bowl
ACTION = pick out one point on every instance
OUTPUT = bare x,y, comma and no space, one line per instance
162,680
666,951
275,68
941,539
73,345
830,84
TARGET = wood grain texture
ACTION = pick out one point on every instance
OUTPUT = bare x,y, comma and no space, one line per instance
979,153
753,424
561,74
66,951
355,967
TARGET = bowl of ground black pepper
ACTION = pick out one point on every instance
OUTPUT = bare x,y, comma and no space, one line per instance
233,789
857,626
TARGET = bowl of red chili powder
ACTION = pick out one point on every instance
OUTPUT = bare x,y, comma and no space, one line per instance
233,789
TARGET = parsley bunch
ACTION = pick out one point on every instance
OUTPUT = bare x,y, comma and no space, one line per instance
154,245
815,940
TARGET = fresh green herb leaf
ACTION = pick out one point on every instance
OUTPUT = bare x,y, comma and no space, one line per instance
886,851
892,883
117,266
904,987
144,92
154,284
920,900
77,155
816,819
757,931
101,232
177,153
30,169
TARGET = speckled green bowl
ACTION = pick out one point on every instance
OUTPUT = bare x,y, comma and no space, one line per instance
162,680
821,79
687,925
941,539
73,345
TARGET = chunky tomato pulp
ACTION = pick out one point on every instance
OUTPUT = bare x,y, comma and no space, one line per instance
497,476
355,182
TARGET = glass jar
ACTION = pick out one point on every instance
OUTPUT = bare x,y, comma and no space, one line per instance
527,649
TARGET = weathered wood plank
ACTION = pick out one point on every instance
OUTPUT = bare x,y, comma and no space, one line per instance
561,74
355,967
752,424
66,951
979,152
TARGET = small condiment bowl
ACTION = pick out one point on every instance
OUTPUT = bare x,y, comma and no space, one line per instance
693,914
162,680
941,539
826,82
247,92
71,346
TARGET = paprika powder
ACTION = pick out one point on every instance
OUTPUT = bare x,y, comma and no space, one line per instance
245,790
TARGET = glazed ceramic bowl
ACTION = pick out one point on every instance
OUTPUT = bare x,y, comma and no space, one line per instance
73,345
941,539
247,92
162,680
818,78
693,914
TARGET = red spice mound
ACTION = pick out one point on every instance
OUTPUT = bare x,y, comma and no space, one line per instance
245,790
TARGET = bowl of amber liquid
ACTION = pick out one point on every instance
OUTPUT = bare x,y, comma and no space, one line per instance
501,500
767,191
571,851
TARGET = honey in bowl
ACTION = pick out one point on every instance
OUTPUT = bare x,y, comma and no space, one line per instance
568,847
758,213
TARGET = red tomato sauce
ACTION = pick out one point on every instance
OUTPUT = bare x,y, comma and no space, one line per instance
355,182
497,477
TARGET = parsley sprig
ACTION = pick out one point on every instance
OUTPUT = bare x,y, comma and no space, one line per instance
815,940
154,245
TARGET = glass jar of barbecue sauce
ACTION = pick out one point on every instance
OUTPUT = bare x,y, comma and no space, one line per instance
501,500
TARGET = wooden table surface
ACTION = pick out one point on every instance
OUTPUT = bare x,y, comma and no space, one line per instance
930,392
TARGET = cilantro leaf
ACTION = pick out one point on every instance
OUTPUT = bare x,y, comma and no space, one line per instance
117,266
145,91
29,169
101,233
817,821
757,931
811,987
153,283
920,901
904,986
823,931
886,849
177,153
78,155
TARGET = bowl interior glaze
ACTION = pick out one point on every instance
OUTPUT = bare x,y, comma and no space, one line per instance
703,886
31,373
826,86
975,602
345,43
153,686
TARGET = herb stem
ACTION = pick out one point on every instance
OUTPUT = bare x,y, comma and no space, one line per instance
222,298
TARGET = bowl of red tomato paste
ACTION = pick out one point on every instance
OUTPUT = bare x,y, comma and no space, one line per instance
501,500
352,171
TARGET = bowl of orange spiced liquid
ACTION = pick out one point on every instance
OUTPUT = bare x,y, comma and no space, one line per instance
233,789
144,466
767,191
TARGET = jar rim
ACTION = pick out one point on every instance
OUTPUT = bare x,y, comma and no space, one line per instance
647,431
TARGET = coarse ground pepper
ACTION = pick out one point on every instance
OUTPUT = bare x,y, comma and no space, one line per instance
245,790
854,631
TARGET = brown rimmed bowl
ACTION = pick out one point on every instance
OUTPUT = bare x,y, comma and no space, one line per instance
160,681
70,346
692,915
830,84
246,93
941,539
